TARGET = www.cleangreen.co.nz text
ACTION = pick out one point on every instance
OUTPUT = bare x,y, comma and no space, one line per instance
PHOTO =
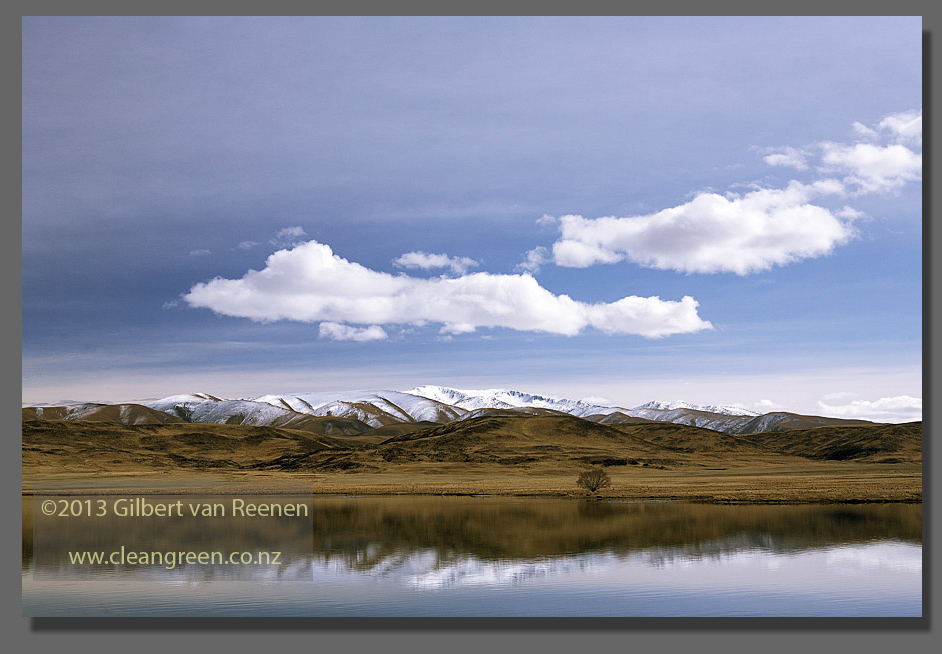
170,560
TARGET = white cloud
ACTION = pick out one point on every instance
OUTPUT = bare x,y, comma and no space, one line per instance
425,261
340,332
902,408
906,126
288,237
863,131
309,283
872,168
737,233
849,213
903,127
457,328
199,253
758,229
788,157
768,405
533,260
875,168
247,245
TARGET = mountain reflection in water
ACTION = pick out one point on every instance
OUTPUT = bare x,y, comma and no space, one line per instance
855,559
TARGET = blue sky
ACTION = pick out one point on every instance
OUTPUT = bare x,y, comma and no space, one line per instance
431,190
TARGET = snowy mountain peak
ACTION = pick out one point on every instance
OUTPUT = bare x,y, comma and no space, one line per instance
499,398
427,403
673,406
375,408
185,397
440,393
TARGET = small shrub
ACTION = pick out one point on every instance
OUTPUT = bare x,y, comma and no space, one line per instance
593,480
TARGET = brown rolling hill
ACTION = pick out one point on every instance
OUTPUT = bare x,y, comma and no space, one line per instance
695,440
136,414
502,442
387,432
784,421
122,414
619,418
516,411
870,443
525,440
518,454
103,446
328,425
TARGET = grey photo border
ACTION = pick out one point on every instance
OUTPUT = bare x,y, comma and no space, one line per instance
543,634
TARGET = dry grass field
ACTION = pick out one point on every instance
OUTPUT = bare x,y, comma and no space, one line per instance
500,455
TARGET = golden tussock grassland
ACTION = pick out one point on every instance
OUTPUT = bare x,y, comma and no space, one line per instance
500,455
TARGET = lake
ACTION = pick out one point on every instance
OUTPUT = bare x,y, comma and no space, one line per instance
482,556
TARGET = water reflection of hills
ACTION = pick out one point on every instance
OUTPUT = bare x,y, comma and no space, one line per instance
463,537
366,531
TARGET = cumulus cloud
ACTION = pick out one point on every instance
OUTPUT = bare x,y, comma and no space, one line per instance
788,157
884,160
199,253
288,237
872,168
849,213
425,261
336,331
902,408
310,283
247,245
712,233
863,131
758,229
904,127
533,260
457,328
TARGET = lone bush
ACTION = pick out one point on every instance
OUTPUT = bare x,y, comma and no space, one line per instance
593,480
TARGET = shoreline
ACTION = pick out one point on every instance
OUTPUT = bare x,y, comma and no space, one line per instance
251,489
783,481
528,496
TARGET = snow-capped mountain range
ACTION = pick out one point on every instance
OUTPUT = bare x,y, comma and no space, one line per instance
439,404
711,408
375,408
497,398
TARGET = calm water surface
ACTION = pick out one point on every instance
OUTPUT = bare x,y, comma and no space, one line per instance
448,556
